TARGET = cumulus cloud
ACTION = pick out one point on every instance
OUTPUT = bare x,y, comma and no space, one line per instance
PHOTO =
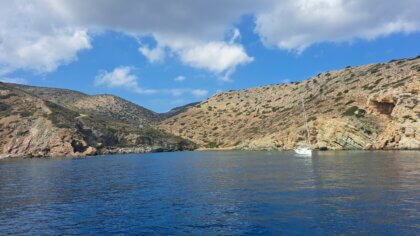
44,34
124,77
33,36
219,57
121,77
297,24
153,55
215,56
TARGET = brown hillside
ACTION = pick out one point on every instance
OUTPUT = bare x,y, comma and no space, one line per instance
373,107
33,127
106,106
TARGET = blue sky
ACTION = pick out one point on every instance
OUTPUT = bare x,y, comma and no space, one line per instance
96,57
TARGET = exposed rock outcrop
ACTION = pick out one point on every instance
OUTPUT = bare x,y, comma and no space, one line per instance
33,127
382,104
367,107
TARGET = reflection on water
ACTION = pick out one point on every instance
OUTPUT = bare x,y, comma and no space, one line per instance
213,193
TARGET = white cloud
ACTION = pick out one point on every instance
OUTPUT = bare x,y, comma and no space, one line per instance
199,92
13,80
180,78
121,77
33,36
235,36
205,30
297,24
153,55
41,35
215,56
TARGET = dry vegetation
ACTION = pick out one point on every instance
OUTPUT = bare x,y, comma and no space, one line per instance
347,109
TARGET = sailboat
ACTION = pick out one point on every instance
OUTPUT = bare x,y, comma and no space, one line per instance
307,151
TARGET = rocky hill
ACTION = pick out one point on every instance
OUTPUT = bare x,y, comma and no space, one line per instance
367,107
177,110
33,127
106,106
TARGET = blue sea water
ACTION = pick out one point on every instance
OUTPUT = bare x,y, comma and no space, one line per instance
213,193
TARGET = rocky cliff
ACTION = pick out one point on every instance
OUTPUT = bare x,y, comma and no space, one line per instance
33,127
367,107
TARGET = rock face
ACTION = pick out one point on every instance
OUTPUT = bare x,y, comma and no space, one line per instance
33,127
367,107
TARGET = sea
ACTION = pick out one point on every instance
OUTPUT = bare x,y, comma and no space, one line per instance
213,193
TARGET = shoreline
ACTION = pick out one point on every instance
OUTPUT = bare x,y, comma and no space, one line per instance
196,150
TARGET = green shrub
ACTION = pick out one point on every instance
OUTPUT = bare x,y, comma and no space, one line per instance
22,133
350,111
328,111
367,87
378,81
4,107
409,118
398,85
416,68
211,145
26,113
7,96
63,126
312,119
354,111
374,70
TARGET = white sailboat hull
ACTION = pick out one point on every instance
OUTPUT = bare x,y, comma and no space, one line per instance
304,151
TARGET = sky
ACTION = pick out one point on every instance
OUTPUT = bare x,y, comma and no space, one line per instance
165,53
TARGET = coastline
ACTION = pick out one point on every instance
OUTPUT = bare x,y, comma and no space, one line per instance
136,151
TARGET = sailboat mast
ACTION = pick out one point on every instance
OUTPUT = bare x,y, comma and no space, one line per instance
306,123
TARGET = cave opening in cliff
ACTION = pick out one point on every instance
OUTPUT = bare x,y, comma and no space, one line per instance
385,108
78,146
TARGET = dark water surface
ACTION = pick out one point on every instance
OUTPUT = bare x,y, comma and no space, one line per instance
214,193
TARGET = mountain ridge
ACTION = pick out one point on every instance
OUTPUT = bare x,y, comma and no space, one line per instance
373,106
33,127
107,106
